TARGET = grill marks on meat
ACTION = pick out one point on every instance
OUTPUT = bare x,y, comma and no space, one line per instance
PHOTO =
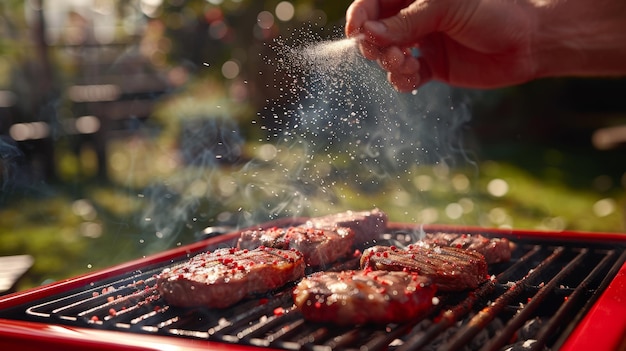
367,225
322,240
223,277
318,246
450,268
356,297
494,249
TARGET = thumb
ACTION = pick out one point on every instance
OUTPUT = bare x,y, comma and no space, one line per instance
407,26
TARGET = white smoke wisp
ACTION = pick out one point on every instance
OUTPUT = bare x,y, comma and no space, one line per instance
10,155
341,136
343,108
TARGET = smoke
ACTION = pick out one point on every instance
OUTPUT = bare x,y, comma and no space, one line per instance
9,157
209,146
340,130
344,110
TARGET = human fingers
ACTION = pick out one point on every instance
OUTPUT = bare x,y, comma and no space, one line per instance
391,58
369,50
418,19
357,13
403,83
415,74
361,11
399,60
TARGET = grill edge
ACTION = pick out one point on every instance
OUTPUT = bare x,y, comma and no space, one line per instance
34,335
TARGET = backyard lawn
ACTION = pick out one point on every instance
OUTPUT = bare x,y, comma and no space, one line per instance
153,202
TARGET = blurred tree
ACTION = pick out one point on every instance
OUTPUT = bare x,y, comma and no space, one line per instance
210,33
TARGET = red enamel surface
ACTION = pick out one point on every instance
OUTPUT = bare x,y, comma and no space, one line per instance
603,328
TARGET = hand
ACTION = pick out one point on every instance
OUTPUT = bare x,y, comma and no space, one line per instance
489,43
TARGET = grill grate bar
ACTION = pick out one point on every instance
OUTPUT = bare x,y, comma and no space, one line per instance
263,327
382,341
581,294
257,313
342,341
128,304
480,321
450,316
131,303
501,338
289,322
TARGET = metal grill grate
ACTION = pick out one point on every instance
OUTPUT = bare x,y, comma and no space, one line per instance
549,284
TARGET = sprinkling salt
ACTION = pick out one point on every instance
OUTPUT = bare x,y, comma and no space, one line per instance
330,55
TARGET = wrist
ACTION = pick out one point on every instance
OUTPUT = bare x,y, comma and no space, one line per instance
580,38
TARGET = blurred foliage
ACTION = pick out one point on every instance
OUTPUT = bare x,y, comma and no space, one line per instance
156,197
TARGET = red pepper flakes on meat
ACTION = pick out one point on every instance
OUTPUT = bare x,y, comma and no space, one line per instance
386,290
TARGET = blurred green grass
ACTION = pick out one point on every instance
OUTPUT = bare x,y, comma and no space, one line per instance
78,227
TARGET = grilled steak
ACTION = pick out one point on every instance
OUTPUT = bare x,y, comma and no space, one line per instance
272,237
450,268
367,225
363,296
319,246
495,250
223,277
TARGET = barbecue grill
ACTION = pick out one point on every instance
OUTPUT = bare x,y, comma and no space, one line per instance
561,290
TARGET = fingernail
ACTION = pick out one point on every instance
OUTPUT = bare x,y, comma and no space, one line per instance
375,27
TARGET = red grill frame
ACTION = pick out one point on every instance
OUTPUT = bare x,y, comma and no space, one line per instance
602,328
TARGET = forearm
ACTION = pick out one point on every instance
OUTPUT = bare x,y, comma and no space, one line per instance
580,38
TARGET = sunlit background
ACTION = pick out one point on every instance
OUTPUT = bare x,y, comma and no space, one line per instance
128,127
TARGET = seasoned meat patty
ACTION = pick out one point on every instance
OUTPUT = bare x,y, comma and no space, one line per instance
223,277
319,246
494,249
363,296
367,225
450,268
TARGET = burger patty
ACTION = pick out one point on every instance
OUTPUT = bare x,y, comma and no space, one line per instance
449,268
366,225
223,277
494,249
363,296
318,246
